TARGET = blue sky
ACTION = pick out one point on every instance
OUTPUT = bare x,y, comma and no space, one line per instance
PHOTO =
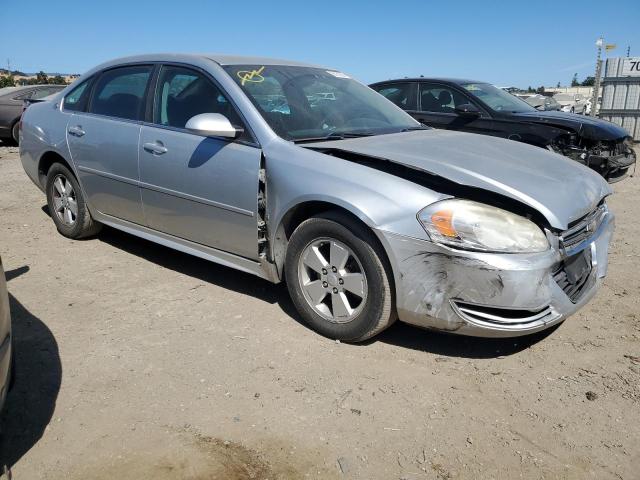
507,43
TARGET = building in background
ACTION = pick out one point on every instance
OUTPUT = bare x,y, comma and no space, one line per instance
621,94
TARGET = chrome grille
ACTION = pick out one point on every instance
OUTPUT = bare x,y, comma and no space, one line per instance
583,228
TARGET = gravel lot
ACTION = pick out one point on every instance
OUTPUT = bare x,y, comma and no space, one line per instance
135,361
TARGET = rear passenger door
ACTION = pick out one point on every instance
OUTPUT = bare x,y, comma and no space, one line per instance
202,189
103,141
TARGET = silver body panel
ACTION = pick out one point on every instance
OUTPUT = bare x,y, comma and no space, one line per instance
5,339
200,195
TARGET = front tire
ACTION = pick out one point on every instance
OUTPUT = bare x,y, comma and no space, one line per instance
67,205
338,277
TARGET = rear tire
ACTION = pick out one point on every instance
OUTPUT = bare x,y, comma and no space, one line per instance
67,205
15,132
331,303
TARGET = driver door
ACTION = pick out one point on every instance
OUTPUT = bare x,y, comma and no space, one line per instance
201,189
437,109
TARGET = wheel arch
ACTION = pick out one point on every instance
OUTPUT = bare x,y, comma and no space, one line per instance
47,159
302,210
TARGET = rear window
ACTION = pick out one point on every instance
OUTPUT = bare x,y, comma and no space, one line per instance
121,92
44,92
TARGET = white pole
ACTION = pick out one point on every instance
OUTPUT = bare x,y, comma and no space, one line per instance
596,83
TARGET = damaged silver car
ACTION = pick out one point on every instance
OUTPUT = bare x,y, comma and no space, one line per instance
298,173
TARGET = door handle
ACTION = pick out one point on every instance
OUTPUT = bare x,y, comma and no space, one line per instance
155,148
76,131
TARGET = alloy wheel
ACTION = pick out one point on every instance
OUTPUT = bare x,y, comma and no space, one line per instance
332,280
65,203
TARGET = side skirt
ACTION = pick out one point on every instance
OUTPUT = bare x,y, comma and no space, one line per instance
185,246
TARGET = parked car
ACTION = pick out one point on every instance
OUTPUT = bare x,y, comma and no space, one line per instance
540,102
587,108
5,339
477,107
11,102
368,215
571,102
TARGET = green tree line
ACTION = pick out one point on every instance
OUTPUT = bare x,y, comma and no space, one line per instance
41,78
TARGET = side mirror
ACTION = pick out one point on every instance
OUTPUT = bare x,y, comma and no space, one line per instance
212,125
467,110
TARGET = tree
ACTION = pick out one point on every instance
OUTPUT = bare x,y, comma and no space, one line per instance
41,77
574,80
540,90
558,86
7,81
589,82
57,80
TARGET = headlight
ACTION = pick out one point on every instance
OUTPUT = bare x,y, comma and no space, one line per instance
475,226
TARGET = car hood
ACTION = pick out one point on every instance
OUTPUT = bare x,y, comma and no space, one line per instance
560,189
587,127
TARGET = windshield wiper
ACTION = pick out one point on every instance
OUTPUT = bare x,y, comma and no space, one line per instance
333,136
411,129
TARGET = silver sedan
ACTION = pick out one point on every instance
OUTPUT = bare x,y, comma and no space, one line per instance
299,173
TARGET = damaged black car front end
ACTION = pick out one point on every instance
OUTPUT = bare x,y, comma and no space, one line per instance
600,145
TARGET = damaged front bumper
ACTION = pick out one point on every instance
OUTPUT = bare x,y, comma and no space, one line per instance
496,295
613,161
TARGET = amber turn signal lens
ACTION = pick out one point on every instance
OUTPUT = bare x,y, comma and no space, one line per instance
443,221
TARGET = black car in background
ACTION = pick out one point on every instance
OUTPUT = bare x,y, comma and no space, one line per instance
479,107
11,102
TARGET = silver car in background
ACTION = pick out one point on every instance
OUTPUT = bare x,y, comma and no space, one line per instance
296,172
5,339
541,102
571,102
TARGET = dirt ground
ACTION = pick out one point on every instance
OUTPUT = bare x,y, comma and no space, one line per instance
138,362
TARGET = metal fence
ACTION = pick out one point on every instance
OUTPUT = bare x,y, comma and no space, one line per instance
621,94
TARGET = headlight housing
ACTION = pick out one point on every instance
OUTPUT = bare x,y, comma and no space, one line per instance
475,226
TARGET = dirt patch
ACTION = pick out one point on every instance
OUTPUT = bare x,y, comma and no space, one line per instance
184,456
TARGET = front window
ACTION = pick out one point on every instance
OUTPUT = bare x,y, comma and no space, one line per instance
497,99
301,103
183,93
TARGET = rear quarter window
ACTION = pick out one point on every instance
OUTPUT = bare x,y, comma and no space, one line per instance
76,100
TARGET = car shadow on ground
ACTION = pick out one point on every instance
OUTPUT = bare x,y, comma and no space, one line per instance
400,334
31,402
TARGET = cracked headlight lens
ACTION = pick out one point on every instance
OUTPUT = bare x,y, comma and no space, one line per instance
475,226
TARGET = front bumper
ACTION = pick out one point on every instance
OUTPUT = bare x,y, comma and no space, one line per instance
494,295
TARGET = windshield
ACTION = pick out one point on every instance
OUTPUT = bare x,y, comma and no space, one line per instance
497,99
304,103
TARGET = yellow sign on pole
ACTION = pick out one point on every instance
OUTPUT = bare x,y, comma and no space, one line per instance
610,46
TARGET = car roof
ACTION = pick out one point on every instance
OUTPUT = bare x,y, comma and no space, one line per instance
189,57
457,81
